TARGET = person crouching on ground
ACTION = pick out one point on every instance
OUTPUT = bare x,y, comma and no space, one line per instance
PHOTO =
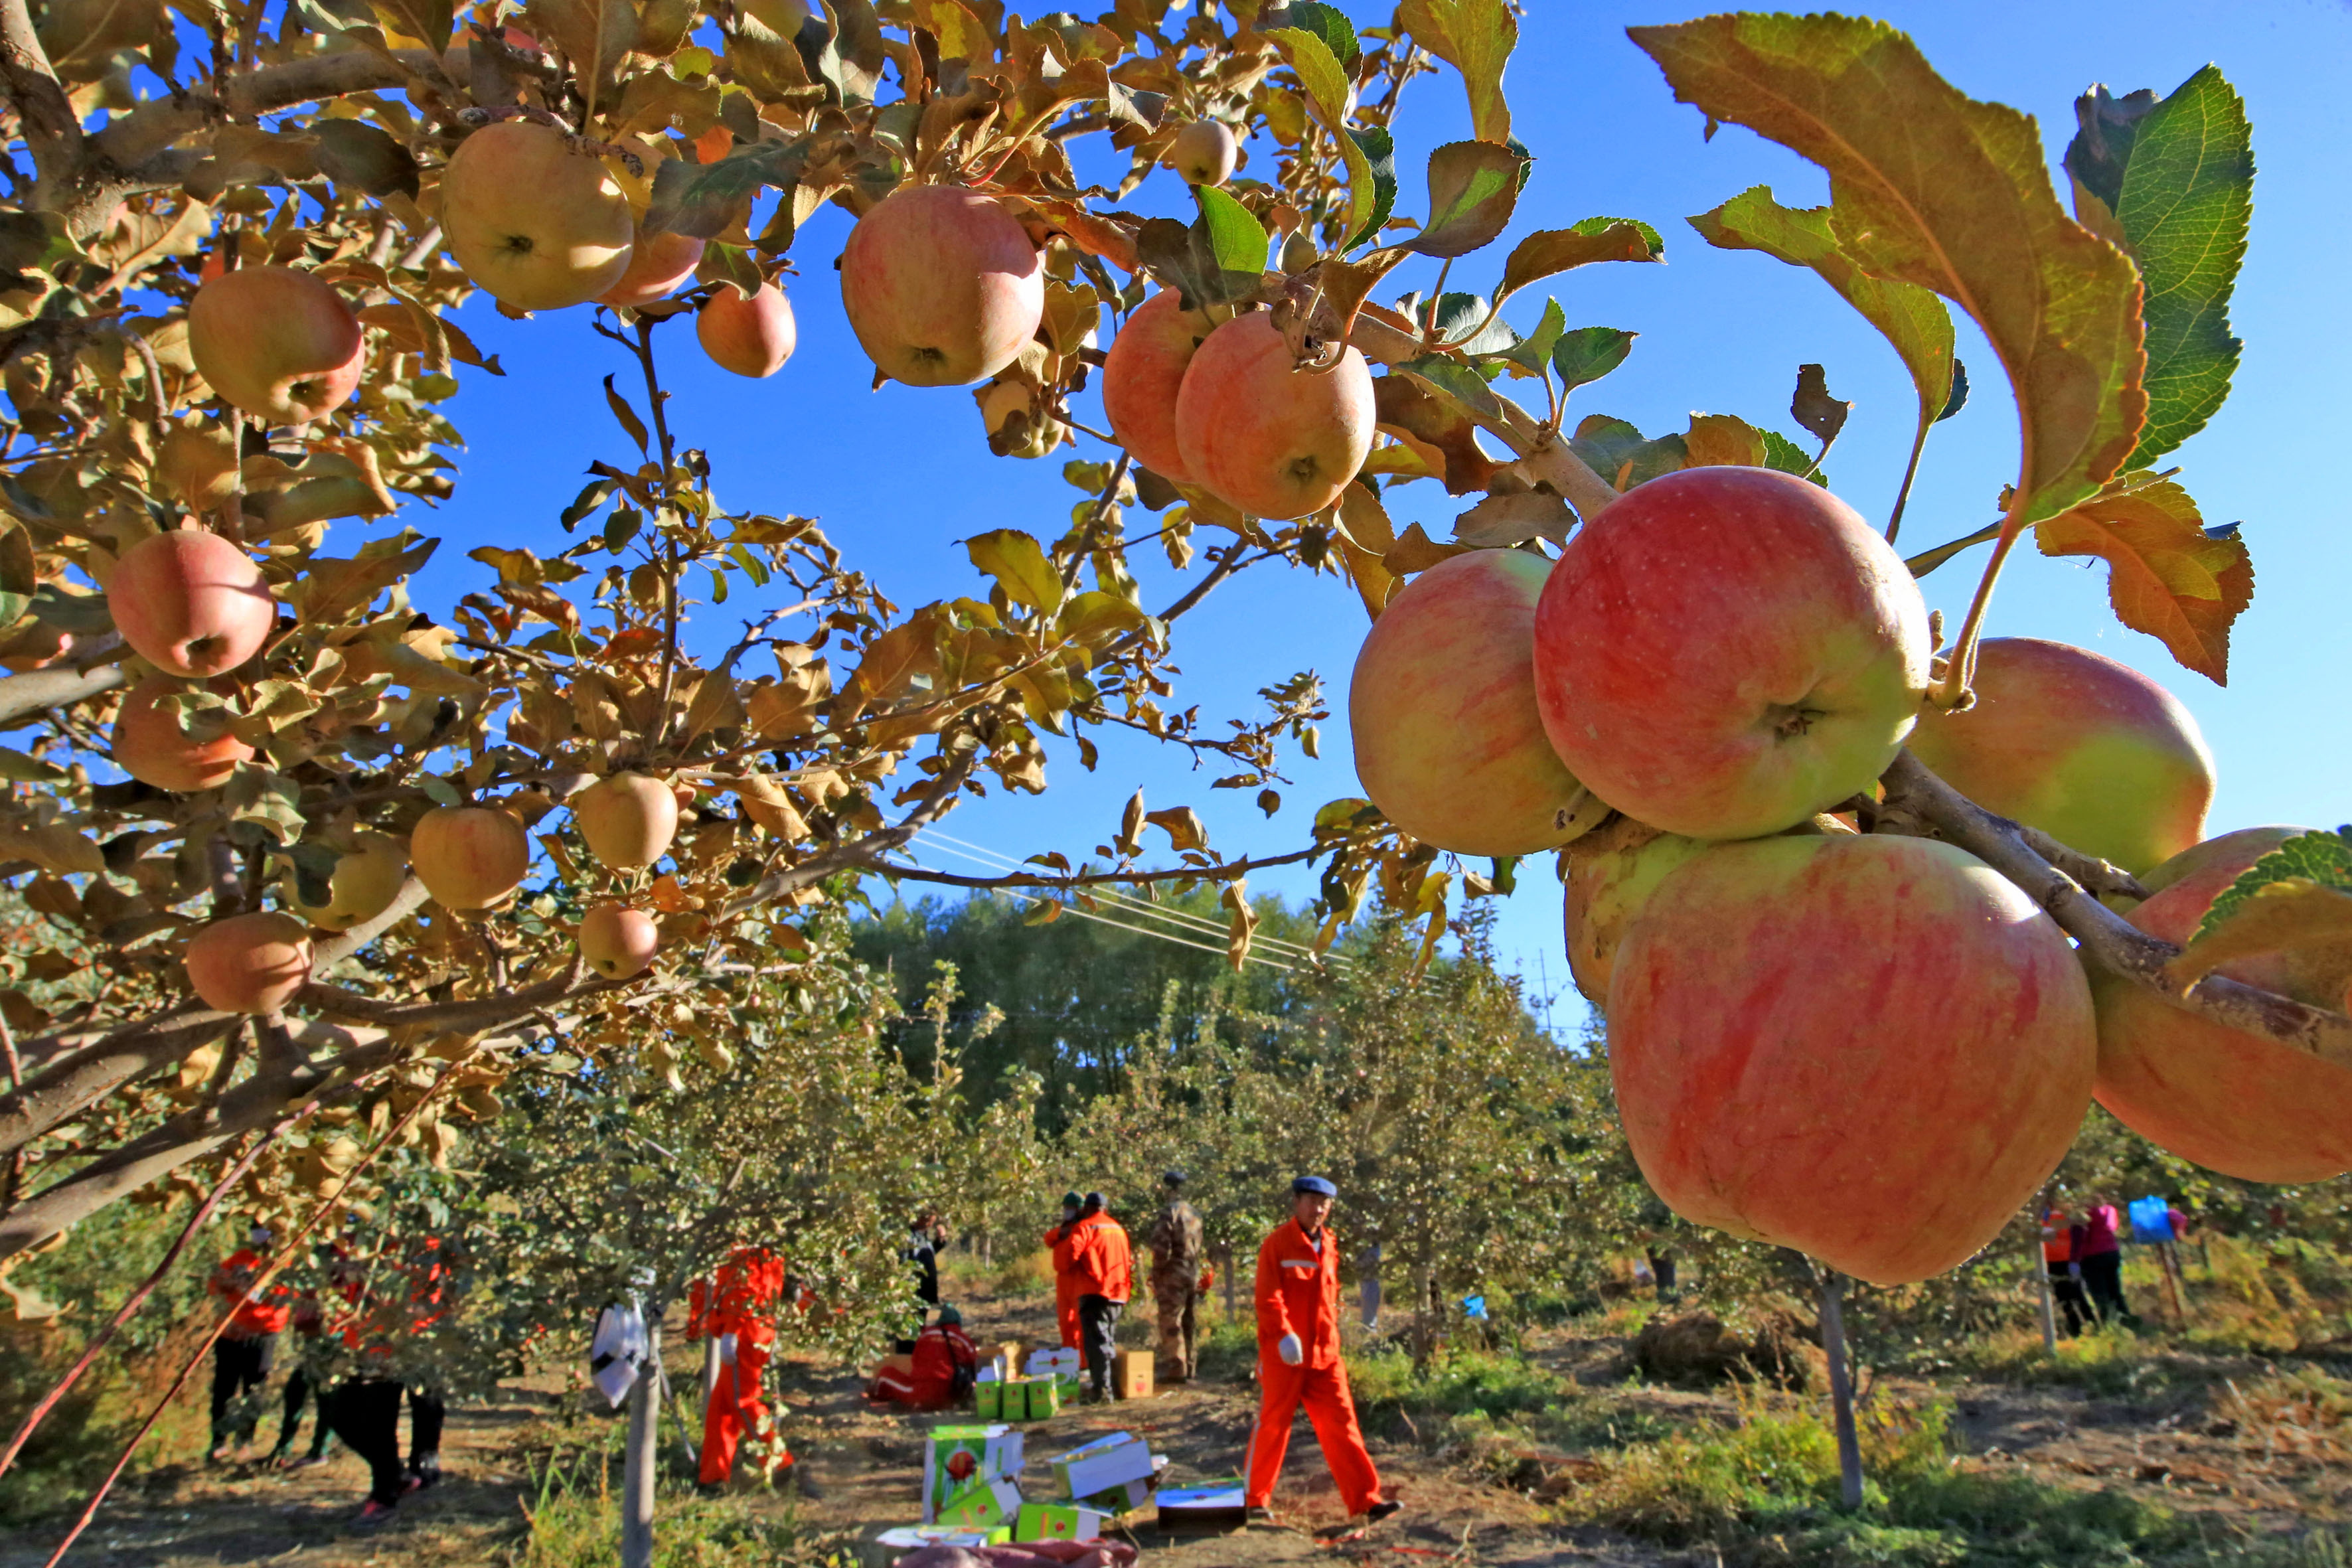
945,1363
1299,1358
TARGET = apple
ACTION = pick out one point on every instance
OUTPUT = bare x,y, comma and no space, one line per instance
1871,1048
470,857
538,225
942,286
1205,153
2245,845
279,344
362,885
618,942
1273,439
658,263
2229,1100
150,746
629,819
1141,375
1611,873
249,964
1725,651
752,336
1443,710
2089,751
1036,435
190,603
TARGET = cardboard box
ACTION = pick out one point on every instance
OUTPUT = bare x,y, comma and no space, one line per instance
1012,1402
994,1453
982,1505
1058,1521
1123,1498
1220,1504
1131,1374
1111,1460
1045,1399
1053,1360
988,1400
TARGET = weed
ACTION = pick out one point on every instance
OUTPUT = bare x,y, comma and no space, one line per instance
574,1521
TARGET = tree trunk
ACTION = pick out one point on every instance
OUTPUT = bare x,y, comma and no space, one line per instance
2042,1279
1841,1388
1226,1264
642,1462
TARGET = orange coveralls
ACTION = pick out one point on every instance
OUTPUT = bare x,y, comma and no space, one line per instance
740,1299
1065,1282
1298,1293
940,1353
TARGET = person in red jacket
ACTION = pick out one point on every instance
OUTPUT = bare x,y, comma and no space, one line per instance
1299,1358
243,1354
737,1307
945,1364
1103,1264
1065,1282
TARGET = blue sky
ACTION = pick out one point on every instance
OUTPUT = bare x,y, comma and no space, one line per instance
898,476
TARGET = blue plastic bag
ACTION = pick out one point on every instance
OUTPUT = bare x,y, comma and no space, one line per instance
1474,1306
2151,1220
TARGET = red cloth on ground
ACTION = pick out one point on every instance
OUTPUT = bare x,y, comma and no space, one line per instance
1027,1555
1297,1293
270,1307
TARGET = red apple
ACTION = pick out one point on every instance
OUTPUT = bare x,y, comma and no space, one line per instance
150,746
1611,873
540,226
627,819
2231,1102
1141,375
1726,651
470,857
362,885
942,286
190,603
751,336
1205,153
1443,710
1273,439
279,344
249,964
658,263
618,942
2091,751
1871,1048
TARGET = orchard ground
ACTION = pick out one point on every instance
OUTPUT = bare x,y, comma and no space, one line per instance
2225,1439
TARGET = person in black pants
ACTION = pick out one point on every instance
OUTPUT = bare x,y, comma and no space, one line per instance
302,1389
426,1411
364,1412
239,1363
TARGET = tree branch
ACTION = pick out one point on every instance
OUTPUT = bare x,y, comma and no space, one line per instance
154,126
63,685
52,132
1918,798
1223,872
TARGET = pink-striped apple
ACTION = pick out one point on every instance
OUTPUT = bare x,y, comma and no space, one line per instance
279,344
1205,153
362,885
618,942
538,224
658,263
1726,651
1262,434
1871,1048
190,603
751,336
1611,873
942,286
627,819
150,746
1142,374
470,857
2091,751
249,964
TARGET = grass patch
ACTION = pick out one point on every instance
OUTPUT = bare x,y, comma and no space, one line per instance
573,1520
2111,1363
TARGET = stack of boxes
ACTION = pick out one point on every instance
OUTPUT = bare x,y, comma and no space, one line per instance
972,1488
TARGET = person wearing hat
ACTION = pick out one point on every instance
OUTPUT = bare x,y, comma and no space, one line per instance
1298,1360
243,1353
1065,1282
945,1363
1179,1248
1103,1264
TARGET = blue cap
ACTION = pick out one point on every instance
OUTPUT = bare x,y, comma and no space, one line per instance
1315,1184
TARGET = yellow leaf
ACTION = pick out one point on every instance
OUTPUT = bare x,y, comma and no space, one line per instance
1017,560
2167,576
1475,37
1724,438
2293,912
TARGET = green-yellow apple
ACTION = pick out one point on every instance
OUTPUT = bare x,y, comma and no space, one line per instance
658,263
618,942
190,603
1017,427
2231,1102
1205,153
249,964
942,286
629,819
470,857
1443,712
150,746
279,344
362,885
1726,651
1868,1048
1141,375
751,336
534,222
1271,438
2091,751
1611,873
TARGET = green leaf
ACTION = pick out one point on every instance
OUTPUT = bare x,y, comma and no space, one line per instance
440,791
1930,187
1018,562
1329,97
18,768
2323,859
1378,149
1588,353
1327,22
1236,241
1534,352
1911,318
1959,398
19,573
702,200
1619,453
1475,37
1458,315
1781,453
1473,188
2187,198
1453,383
1555,250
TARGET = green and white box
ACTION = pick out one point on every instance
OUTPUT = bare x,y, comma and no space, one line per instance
1059,1521
1120,1499
992,1452
1111,1460
981,1505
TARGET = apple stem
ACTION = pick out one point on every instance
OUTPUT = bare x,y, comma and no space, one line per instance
1954,695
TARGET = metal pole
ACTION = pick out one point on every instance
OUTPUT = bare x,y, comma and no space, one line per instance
1849,1441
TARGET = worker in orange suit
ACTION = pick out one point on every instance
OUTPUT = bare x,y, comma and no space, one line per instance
940,1374
1299,1358
1066,1283
1102,1262
737,1307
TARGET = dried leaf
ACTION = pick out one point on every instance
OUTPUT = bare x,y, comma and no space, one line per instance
2277,917
1500,521
1553,250
2170,577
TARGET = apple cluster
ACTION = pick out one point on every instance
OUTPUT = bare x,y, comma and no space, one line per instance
1869,1046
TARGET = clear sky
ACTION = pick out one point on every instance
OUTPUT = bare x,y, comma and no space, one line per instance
898,476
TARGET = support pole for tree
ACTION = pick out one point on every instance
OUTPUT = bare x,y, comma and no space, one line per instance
1849,1441
2042,1278
641,1463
